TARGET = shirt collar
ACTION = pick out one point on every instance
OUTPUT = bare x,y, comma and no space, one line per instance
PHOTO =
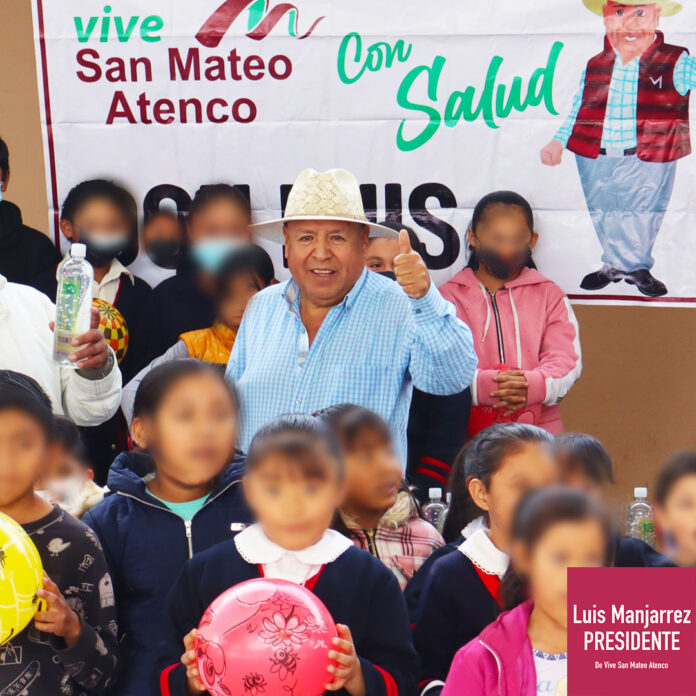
256,548
292,292
116,270
484,554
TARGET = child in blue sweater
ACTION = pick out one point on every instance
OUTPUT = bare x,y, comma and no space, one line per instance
180,497
293,485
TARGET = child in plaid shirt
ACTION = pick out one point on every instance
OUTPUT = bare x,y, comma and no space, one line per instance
379,513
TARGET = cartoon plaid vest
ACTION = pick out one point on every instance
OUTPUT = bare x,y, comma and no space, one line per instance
662,116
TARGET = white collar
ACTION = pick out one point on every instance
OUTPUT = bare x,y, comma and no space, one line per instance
484,554
3,281
474,526
116,270
255,547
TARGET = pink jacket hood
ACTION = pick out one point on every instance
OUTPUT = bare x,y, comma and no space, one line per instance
528,324
499,662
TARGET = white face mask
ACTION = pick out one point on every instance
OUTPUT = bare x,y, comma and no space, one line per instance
64,492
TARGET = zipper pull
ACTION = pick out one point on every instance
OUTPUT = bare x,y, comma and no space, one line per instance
189,539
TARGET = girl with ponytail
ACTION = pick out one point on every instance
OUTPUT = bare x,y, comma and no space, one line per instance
524,650
461,593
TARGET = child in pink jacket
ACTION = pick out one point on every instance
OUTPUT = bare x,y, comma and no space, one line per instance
525,332
524,651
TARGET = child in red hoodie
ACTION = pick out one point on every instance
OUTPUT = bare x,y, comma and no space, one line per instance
525,333
524,652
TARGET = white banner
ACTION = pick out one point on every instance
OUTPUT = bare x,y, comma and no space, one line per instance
430,104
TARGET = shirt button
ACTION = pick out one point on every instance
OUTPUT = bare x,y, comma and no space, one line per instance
418,311
298,401
302,330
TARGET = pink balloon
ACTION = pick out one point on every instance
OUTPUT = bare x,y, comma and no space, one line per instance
265,638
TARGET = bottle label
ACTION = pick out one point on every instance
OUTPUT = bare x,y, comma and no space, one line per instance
68,305
647,527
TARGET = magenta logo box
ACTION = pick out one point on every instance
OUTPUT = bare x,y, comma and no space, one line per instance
632,631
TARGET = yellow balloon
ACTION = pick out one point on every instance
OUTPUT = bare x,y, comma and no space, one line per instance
21,575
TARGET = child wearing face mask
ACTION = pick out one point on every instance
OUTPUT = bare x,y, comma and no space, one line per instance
178,496
68,481
103,216
217,225
245,273
293,484
525,333
525,650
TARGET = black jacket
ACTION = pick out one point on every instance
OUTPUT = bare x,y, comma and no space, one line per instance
24,251
175,306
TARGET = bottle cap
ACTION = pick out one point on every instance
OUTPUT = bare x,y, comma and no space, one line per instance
448,497
640,492
435,492
78,251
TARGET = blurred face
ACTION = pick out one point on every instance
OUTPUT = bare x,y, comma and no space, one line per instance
98,219
380,254
373,474
293,509
530,467
631,28
325,257
220,219
677,517
240,290
23,454
575,477
564,545
192,435
162,228
64,477
503,236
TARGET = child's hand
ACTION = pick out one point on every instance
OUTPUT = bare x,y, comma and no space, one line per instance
188,659
58,618
347,672
552,153
512,391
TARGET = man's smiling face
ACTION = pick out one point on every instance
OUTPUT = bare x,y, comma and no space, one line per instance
630,28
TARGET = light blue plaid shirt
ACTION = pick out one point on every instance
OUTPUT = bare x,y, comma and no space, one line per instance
622,104
370,350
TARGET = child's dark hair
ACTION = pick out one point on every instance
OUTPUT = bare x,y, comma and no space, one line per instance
500,198
21,392
348,422
303,439
536,513
484,455
680,465
250,260
460,511
4,160
157,383
209,193
86,191
581,452
67,434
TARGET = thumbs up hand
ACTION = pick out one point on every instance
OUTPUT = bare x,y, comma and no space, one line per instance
410,269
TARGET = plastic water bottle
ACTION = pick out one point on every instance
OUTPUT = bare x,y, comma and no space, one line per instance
435,510
73,303
640,518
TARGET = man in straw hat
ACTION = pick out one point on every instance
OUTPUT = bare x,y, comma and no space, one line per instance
335,332
628,126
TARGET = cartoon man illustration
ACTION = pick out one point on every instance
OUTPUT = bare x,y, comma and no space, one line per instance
628,126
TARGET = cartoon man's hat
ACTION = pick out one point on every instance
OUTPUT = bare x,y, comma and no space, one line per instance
667,7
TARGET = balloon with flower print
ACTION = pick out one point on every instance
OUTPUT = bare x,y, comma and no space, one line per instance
265,638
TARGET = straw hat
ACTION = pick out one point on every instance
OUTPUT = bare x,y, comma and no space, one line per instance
331,195
667,7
